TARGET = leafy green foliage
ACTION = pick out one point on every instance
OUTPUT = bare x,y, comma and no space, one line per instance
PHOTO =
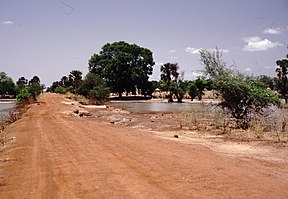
267,81
61,89
193,91
200,85
74,79
196,87
282,83
123,66
23,96
242,96
22,82
67,84
94,88
173,81
149,88
7,86
34,87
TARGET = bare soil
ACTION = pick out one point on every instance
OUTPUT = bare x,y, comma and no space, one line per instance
52,152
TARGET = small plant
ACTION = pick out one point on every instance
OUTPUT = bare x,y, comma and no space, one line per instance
23,96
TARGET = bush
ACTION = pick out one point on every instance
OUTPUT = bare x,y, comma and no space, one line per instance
34,89
61,90
94,88
23,96
193,91
242,96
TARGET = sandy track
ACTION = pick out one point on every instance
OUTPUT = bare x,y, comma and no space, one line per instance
59,156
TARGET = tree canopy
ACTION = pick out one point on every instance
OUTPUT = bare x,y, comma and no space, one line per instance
123,66
173,81
282,83
242,96
94,88
7,86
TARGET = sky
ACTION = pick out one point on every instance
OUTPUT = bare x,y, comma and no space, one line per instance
50,38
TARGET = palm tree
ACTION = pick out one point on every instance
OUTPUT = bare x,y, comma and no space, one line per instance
75,78
169,71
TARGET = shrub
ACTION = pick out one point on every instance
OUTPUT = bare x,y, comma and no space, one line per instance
23,96
94,88
242,96
61,89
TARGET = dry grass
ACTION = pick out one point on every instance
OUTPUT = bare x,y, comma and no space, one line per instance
262,128
5,139
78,98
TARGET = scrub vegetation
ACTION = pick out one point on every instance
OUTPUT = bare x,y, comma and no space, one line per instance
123,68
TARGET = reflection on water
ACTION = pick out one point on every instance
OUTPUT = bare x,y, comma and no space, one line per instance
142,107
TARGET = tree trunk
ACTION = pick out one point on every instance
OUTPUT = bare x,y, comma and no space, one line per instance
170,97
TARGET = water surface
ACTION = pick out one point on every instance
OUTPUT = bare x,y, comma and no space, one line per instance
142,107
6,106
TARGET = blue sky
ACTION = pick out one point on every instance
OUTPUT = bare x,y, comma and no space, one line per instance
50,38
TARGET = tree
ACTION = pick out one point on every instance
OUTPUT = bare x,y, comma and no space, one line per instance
193,91
166,77
282,84
53,87
200,84
94,88
267,81
23,95
123,66
7,86
75,77
22,82
173,81
149,88
242,96
34,87
35,80
65,81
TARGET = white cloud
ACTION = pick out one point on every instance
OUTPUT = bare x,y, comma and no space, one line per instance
7,22
222,50
193,74
273,31
193,51
172,51
258,44
197,74
196,51
248,69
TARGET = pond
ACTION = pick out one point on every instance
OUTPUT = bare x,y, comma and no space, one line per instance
6,106
144,107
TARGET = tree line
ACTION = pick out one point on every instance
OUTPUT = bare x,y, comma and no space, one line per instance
23,90
92,86
121,67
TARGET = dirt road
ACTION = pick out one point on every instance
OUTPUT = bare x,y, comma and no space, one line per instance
58,156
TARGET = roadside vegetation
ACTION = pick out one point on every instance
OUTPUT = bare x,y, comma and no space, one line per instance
24,91
122,69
